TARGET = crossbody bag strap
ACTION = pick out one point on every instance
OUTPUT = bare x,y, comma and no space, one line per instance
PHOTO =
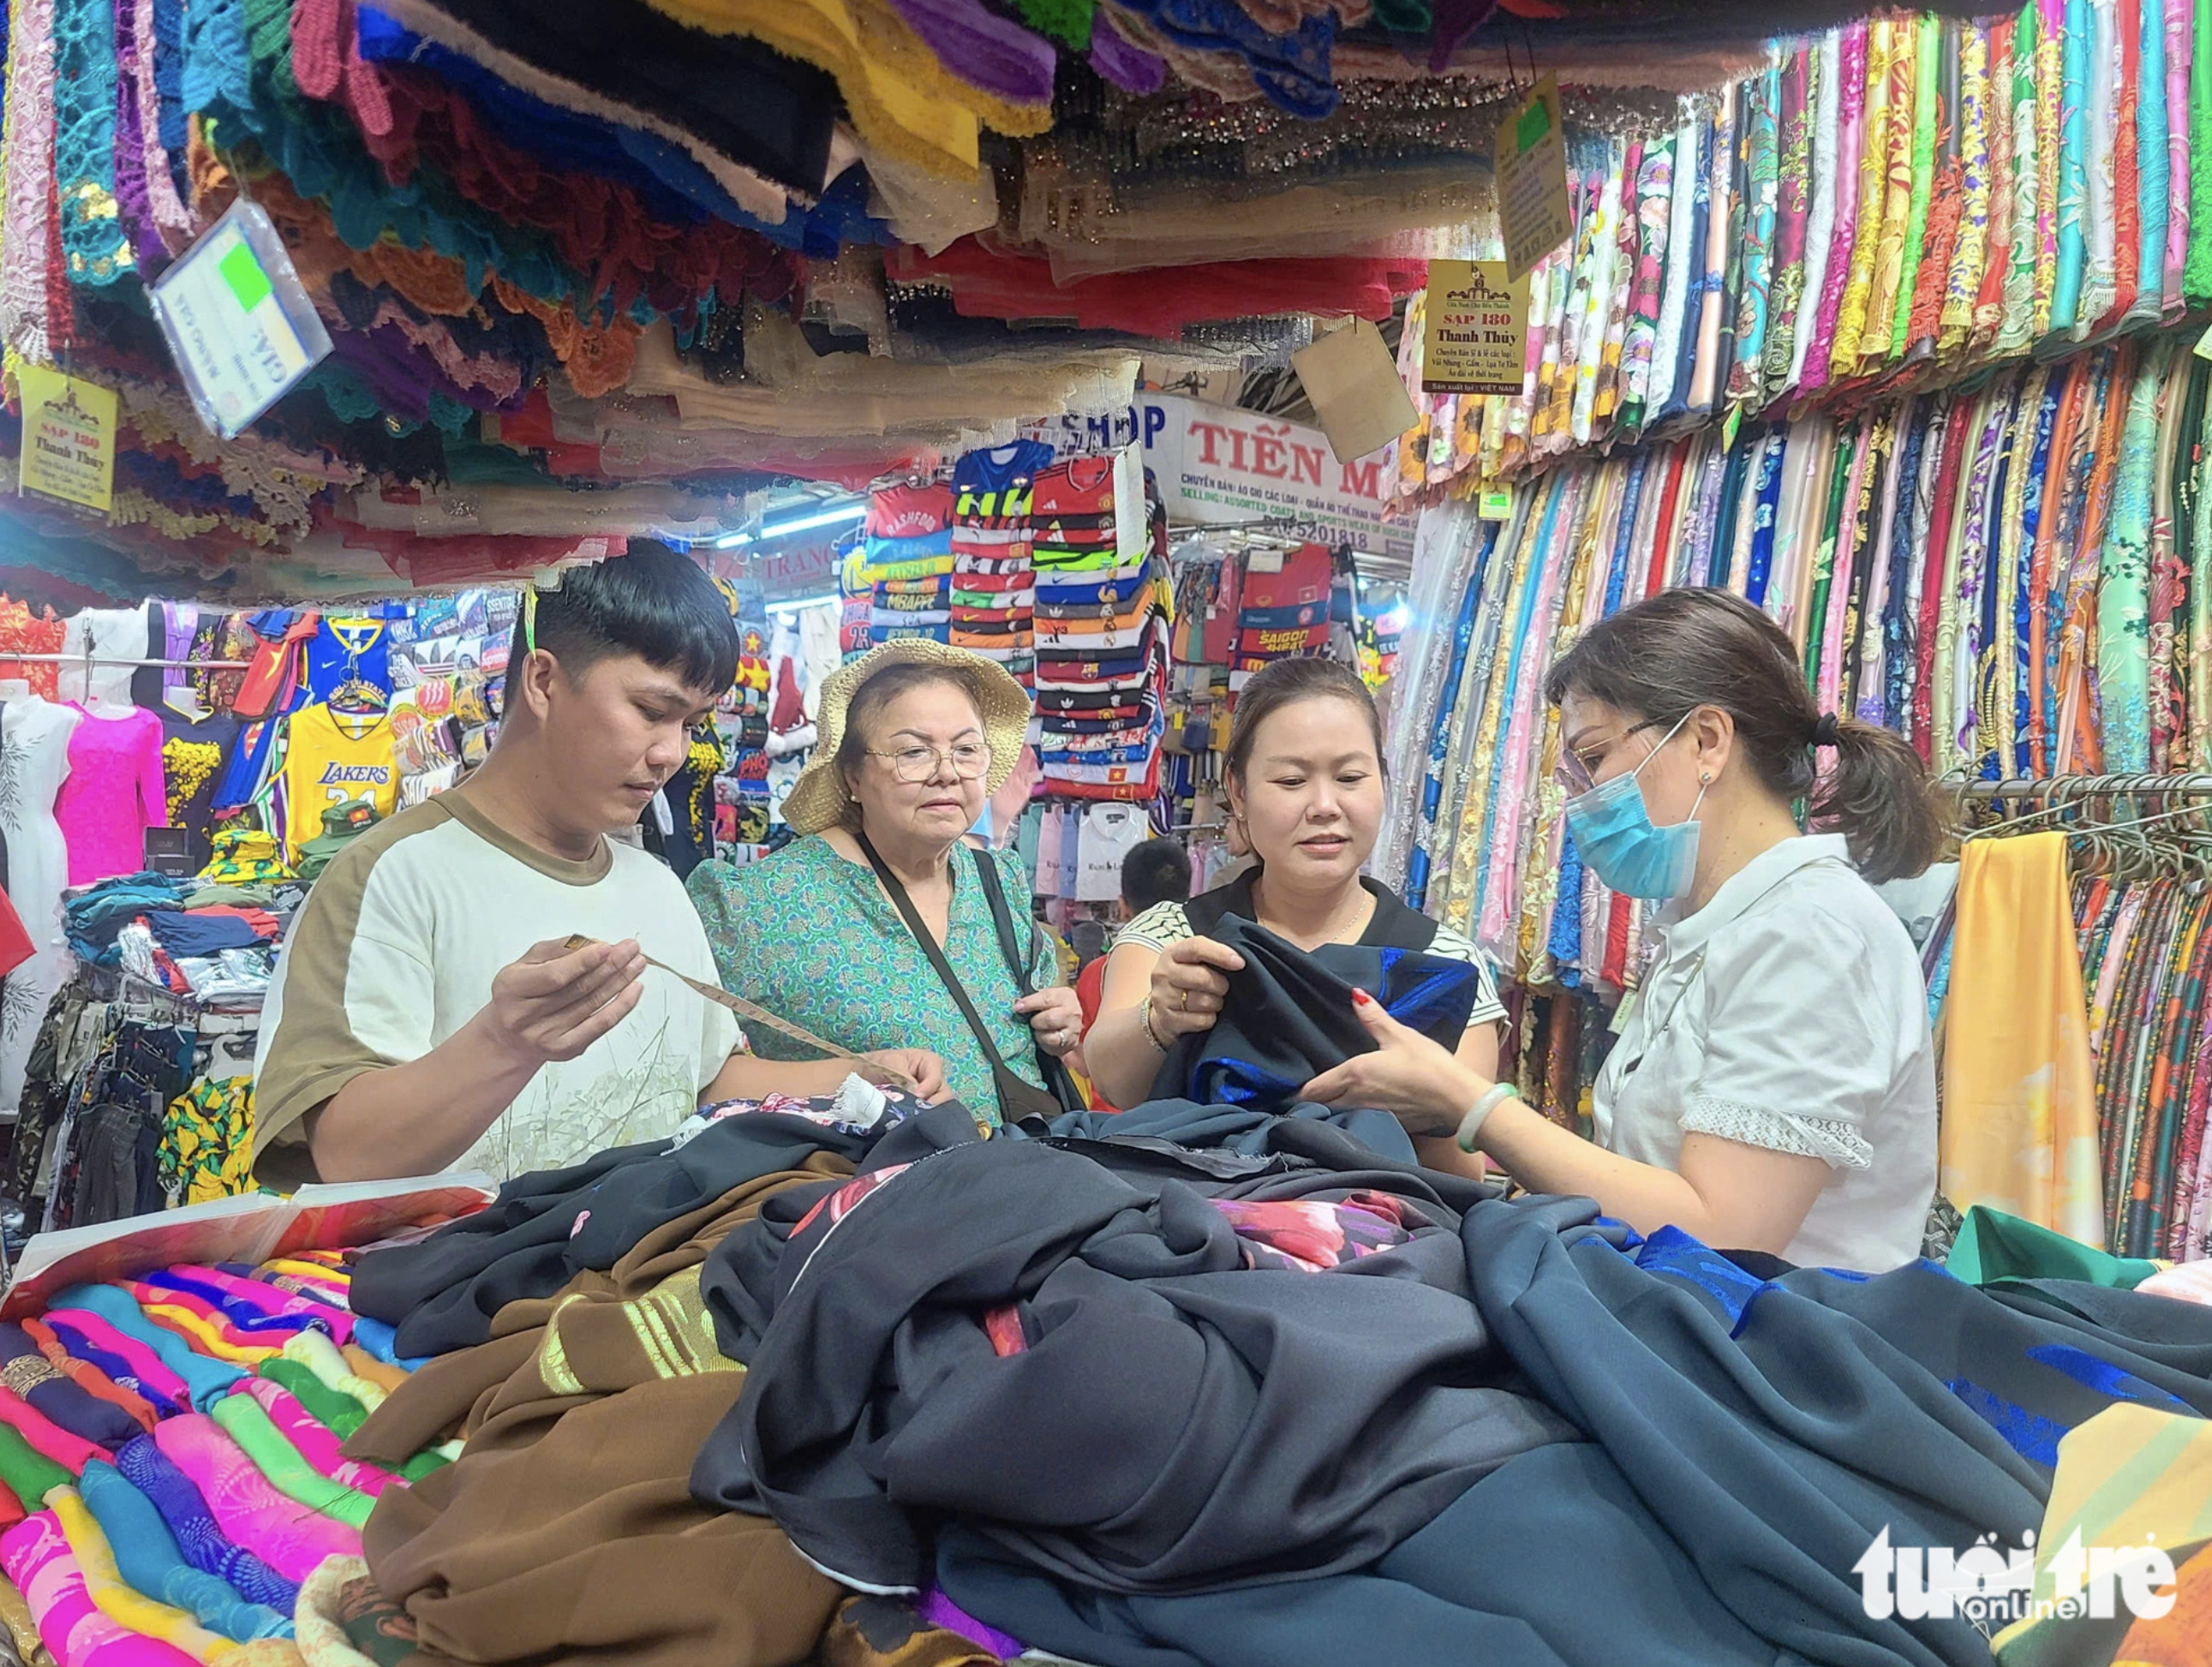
935,952
1002,917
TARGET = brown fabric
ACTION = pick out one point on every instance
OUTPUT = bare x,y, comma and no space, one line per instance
566,1531
441,1399
886,1632
584,1544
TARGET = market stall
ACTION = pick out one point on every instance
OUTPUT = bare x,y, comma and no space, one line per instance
340,339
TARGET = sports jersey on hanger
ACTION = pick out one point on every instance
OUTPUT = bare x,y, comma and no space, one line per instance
330,760
909,511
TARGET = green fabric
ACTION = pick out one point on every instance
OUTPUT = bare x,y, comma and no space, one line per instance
27,1472
811,937
1824,555
286,1467
2122,581
1992,1247
2196,275
342,1414
1927,66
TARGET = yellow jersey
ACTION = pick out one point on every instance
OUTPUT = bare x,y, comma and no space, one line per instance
334,758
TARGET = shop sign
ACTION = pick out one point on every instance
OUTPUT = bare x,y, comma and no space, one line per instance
1220,466
1476,334
69,438
1532,180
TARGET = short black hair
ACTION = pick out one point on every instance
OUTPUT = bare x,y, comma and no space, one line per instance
1157,871
654,602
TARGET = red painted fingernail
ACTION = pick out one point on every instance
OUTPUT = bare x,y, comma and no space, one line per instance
1362,997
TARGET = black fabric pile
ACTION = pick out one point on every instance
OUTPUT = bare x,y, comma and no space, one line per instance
1207,1385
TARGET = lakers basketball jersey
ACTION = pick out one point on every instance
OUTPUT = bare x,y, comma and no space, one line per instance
335,759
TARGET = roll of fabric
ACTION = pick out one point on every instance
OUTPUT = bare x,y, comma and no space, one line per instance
245,1506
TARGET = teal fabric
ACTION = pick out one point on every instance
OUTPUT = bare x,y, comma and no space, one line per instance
811,937
147,1555
2073,171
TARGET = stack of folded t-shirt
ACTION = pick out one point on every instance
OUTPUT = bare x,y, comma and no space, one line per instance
1101,631
908,563
994,593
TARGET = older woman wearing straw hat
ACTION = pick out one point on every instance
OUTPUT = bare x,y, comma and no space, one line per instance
881,927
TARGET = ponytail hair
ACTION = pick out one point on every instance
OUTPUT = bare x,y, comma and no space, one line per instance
1663,659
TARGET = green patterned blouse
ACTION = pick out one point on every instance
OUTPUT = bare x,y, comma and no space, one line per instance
811,937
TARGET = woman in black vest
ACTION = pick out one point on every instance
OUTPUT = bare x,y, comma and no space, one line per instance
1305,792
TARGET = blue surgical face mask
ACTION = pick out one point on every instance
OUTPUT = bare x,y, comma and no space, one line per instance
1616,840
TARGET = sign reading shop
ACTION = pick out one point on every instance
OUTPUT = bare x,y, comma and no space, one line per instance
1218,466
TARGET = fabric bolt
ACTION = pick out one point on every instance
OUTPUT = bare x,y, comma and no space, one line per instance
149,1559
198,1535
320,1356
248,1424
35,1554
70,1450
117,1599
90,1376
316,1441
146,1367
249,1510
206,1379
28,1373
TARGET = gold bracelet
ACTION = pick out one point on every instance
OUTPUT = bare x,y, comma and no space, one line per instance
1144,1019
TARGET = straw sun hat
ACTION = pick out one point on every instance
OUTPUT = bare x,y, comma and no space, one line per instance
818,798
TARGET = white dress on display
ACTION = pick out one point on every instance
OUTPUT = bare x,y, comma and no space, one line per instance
112,635
35,738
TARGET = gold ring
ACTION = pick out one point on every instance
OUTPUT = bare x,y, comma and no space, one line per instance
1183,1001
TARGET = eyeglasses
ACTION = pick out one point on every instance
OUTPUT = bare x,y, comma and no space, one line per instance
1578,768
912,764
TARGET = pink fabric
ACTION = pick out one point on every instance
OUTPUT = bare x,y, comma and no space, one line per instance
114,792
317,1442
37,1558
145,1364
71,1452
270,1301
1849,132
288,1537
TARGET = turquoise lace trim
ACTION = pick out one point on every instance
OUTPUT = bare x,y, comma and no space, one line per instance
94,245
238,67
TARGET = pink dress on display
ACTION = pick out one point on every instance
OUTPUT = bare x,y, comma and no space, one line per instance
114,792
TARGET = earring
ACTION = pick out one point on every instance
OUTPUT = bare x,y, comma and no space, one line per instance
1706,779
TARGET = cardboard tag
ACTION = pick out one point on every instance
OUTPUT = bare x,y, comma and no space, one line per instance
1353,380
1476,334
238,324
1728,428
1531,156
1496,504
2204,345
69,438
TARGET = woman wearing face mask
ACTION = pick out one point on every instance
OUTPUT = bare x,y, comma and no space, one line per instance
1304,774
1772,1086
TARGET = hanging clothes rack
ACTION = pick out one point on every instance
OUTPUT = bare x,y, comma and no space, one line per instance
7,658
2063,789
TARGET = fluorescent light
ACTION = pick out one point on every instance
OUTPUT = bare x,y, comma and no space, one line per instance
847,512
800,604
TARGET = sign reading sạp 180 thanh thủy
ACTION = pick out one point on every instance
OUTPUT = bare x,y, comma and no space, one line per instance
1218,466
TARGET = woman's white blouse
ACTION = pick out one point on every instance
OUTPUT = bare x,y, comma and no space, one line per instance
1788,1012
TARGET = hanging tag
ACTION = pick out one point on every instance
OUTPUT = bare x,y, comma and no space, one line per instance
1477,328
1496,503
1531,181
239,325
2204,345
1728,428
69,438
